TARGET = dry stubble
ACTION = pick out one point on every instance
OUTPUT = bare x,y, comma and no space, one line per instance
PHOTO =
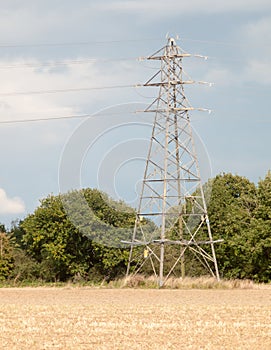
85,318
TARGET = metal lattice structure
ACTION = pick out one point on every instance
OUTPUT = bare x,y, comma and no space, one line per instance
172,217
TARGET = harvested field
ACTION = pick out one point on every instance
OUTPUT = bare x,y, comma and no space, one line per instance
88,318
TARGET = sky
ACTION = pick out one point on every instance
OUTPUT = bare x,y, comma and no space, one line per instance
90,50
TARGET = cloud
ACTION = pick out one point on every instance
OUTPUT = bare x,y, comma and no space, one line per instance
13,205
256,36
247,60
172,7
257,33
29,75
50,21
53,21
32,75
258,71
221,76
253,71
79,73
255,39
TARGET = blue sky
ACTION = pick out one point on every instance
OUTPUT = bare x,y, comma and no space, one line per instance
51,45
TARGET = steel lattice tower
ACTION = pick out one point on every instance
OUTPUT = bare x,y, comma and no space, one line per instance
172,214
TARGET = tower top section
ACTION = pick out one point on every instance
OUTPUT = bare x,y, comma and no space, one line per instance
171,50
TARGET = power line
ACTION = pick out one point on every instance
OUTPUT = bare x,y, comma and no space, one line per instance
213,42
98,60
134,86
80,116
51,64
54,91
18,121
21,121
83,43
87,43
66,62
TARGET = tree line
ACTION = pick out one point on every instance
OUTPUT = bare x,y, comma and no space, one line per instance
48,246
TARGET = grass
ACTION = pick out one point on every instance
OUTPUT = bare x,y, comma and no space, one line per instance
140,281
89,318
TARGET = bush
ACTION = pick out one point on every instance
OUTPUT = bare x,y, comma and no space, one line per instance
25,268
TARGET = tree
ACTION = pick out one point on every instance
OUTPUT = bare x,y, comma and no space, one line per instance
261,226
17,232
231,210
6,256
52,240
68,235
78,234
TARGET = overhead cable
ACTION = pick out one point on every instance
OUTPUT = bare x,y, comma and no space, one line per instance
54,91
79,116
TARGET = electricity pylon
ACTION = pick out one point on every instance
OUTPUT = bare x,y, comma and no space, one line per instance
172,213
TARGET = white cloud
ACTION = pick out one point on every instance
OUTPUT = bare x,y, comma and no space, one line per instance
253,71
8,205
258,71
50,21
248,61
37,21
255,39
24,76
163,8
34,20
256,36
220,76
258,33
18,77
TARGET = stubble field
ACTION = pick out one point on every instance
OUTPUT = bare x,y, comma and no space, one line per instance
87,318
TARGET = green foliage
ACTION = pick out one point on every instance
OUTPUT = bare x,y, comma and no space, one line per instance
6,256
17,232
65,251
261,226
239,213
49,238
25,268
76,236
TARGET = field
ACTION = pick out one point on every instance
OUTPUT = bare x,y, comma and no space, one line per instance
89,318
